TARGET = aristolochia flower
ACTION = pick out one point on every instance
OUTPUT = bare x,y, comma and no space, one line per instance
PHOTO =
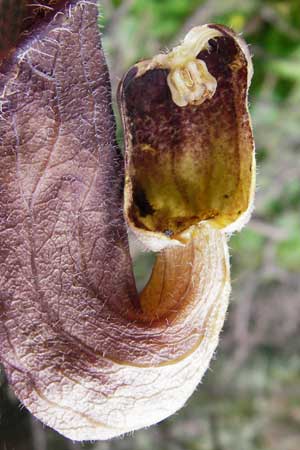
82,350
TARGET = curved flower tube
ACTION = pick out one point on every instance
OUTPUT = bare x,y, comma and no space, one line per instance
82,350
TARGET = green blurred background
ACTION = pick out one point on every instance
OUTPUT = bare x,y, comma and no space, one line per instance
250,398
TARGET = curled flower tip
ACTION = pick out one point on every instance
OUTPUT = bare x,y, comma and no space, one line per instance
191,84
189,80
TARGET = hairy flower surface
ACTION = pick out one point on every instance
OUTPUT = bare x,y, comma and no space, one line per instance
82,350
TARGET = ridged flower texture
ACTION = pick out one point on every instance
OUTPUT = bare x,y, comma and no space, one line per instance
82,350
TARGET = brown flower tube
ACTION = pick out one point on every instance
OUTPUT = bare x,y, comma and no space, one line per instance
82,350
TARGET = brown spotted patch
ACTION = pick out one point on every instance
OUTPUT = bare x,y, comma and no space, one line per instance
188,164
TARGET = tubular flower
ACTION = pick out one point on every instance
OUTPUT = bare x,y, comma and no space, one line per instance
82,350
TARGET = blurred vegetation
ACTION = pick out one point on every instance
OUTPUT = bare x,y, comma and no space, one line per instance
250,399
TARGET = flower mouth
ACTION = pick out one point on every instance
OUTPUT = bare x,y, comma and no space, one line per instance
189,142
